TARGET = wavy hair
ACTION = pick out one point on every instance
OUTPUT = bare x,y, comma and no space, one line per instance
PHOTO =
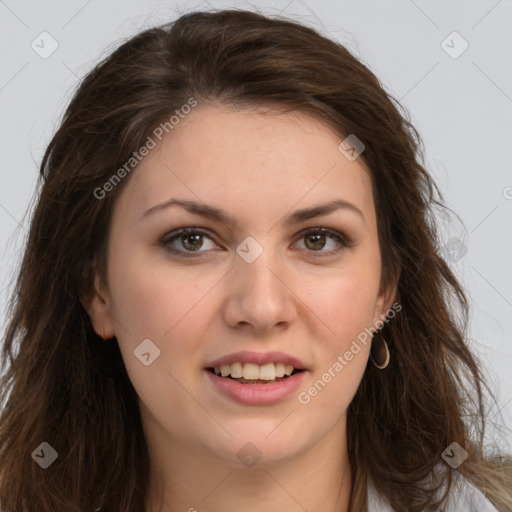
65,386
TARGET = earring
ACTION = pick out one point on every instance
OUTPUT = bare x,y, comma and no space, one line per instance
382,355
103,333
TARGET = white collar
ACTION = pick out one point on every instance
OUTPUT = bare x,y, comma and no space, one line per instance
376,502
464,497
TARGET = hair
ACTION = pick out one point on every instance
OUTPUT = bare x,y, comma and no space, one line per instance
64,385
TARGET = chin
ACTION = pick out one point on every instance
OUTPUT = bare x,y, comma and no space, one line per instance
252,444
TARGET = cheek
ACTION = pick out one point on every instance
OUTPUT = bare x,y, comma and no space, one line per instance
345,303
153,298
158,303
346,306
169,306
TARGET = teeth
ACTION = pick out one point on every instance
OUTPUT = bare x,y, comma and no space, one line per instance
280,370
266,372
236,370
251,371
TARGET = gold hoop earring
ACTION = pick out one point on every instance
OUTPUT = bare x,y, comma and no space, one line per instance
382,356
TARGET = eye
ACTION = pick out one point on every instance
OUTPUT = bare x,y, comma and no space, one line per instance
315,239
191,241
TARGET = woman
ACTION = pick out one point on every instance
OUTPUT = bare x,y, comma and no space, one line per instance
232,295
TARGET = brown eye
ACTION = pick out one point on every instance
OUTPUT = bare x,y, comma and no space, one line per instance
191,240
316,240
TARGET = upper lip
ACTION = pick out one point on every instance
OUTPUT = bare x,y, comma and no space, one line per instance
259,358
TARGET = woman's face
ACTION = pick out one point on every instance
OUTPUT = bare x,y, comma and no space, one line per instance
262,284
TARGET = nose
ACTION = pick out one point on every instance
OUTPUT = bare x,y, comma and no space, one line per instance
258,296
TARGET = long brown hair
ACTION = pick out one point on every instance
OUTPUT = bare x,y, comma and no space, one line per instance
65,386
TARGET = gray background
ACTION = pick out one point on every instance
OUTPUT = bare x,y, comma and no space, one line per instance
461,103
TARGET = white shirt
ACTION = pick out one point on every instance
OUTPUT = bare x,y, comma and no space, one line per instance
463,497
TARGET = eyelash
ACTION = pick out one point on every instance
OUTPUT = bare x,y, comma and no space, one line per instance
169,238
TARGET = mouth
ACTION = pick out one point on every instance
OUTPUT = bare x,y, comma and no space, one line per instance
251,384
252,374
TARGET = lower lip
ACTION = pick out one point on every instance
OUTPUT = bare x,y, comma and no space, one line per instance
257,394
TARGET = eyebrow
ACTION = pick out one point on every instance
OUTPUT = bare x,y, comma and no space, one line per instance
218,215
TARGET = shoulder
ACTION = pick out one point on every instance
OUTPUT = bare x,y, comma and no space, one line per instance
463,497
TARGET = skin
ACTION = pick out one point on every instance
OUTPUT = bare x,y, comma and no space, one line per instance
259,167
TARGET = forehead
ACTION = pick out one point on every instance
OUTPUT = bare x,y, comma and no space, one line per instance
251,161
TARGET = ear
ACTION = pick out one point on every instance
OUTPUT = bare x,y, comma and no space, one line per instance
387,297
96,302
